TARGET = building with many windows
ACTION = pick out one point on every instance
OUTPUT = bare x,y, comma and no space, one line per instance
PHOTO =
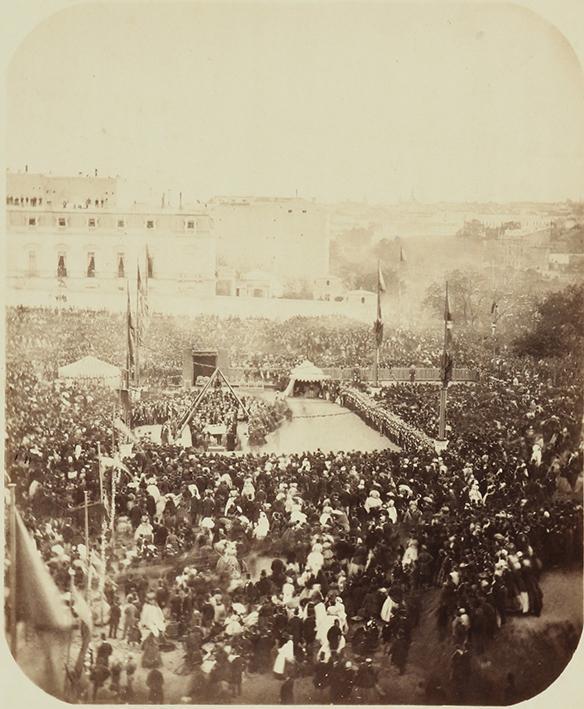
70,236
71,239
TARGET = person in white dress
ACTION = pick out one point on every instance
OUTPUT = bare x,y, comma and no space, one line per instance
315,559
392,511
152,618
285,654
373,501
410,556
144,529
262,527
388,608
288,591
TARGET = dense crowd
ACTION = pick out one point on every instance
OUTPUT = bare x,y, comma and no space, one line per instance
258,348
218,406
352,541
519,409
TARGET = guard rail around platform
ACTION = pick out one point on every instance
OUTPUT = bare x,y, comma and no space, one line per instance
400,374
242,377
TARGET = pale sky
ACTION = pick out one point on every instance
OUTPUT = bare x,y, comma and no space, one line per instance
457,103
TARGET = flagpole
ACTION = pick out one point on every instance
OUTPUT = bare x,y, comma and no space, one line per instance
494,319
444,387
399,303
137,368
442,421
113,508
113,490
103,574
494,338
100,472
85,494
378,318
399,299
128,354
68,684
113,430
13,621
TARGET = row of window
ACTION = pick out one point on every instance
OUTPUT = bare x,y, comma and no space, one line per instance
92,223
62,271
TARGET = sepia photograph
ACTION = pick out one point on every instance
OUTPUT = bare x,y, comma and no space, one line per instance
293,344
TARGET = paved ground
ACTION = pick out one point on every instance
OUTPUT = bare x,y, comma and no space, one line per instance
323,424
535,649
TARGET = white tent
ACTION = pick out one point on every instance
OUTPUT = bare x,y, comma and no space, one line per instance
91,368
305,372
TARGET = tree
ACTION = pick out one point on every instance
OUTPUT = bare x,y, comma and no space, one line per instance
559,328
467,293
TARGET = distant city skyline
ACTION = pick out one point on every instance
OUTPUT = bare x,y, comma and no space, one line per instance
375,103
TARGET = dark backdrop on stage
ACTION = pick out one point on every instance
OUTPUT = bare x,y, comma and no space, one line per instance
202,363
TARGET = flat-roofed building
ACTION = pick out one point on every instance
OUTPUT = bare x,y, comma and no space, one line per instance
77,245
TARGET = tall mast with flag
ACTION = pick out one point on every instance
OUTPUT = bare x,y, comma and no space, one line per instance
130,344
138,327
141,314
35,600
378,324
494,317
402,263
142,307
447,365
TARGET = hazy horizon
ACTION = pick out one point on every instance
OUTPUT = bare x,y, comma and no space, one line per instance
450,103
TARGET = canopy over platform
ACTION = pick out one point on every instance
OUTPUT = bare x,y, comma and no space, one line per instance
305,373
93,369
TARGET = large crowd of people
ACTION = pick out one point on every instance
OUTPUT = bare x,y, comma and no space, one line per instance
217,406
258,348
311,568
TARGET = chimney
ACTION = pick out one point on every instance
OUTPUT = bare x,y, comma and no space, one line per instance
162,200
95,172
26,168
180,200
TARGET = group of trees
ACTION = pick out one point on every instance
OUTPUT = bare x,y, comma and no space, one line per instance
537,322
354,258
559,325
532,314
473,292
467,294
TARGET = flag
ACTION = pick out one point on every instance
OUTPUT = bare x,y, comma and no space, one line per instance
81,609
142,310
149,267
378,331
38,600
126,449
380,281
447,312
42,607
378,324
402,255
131,343
447,359
494,311
120,426
114,462
96,562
